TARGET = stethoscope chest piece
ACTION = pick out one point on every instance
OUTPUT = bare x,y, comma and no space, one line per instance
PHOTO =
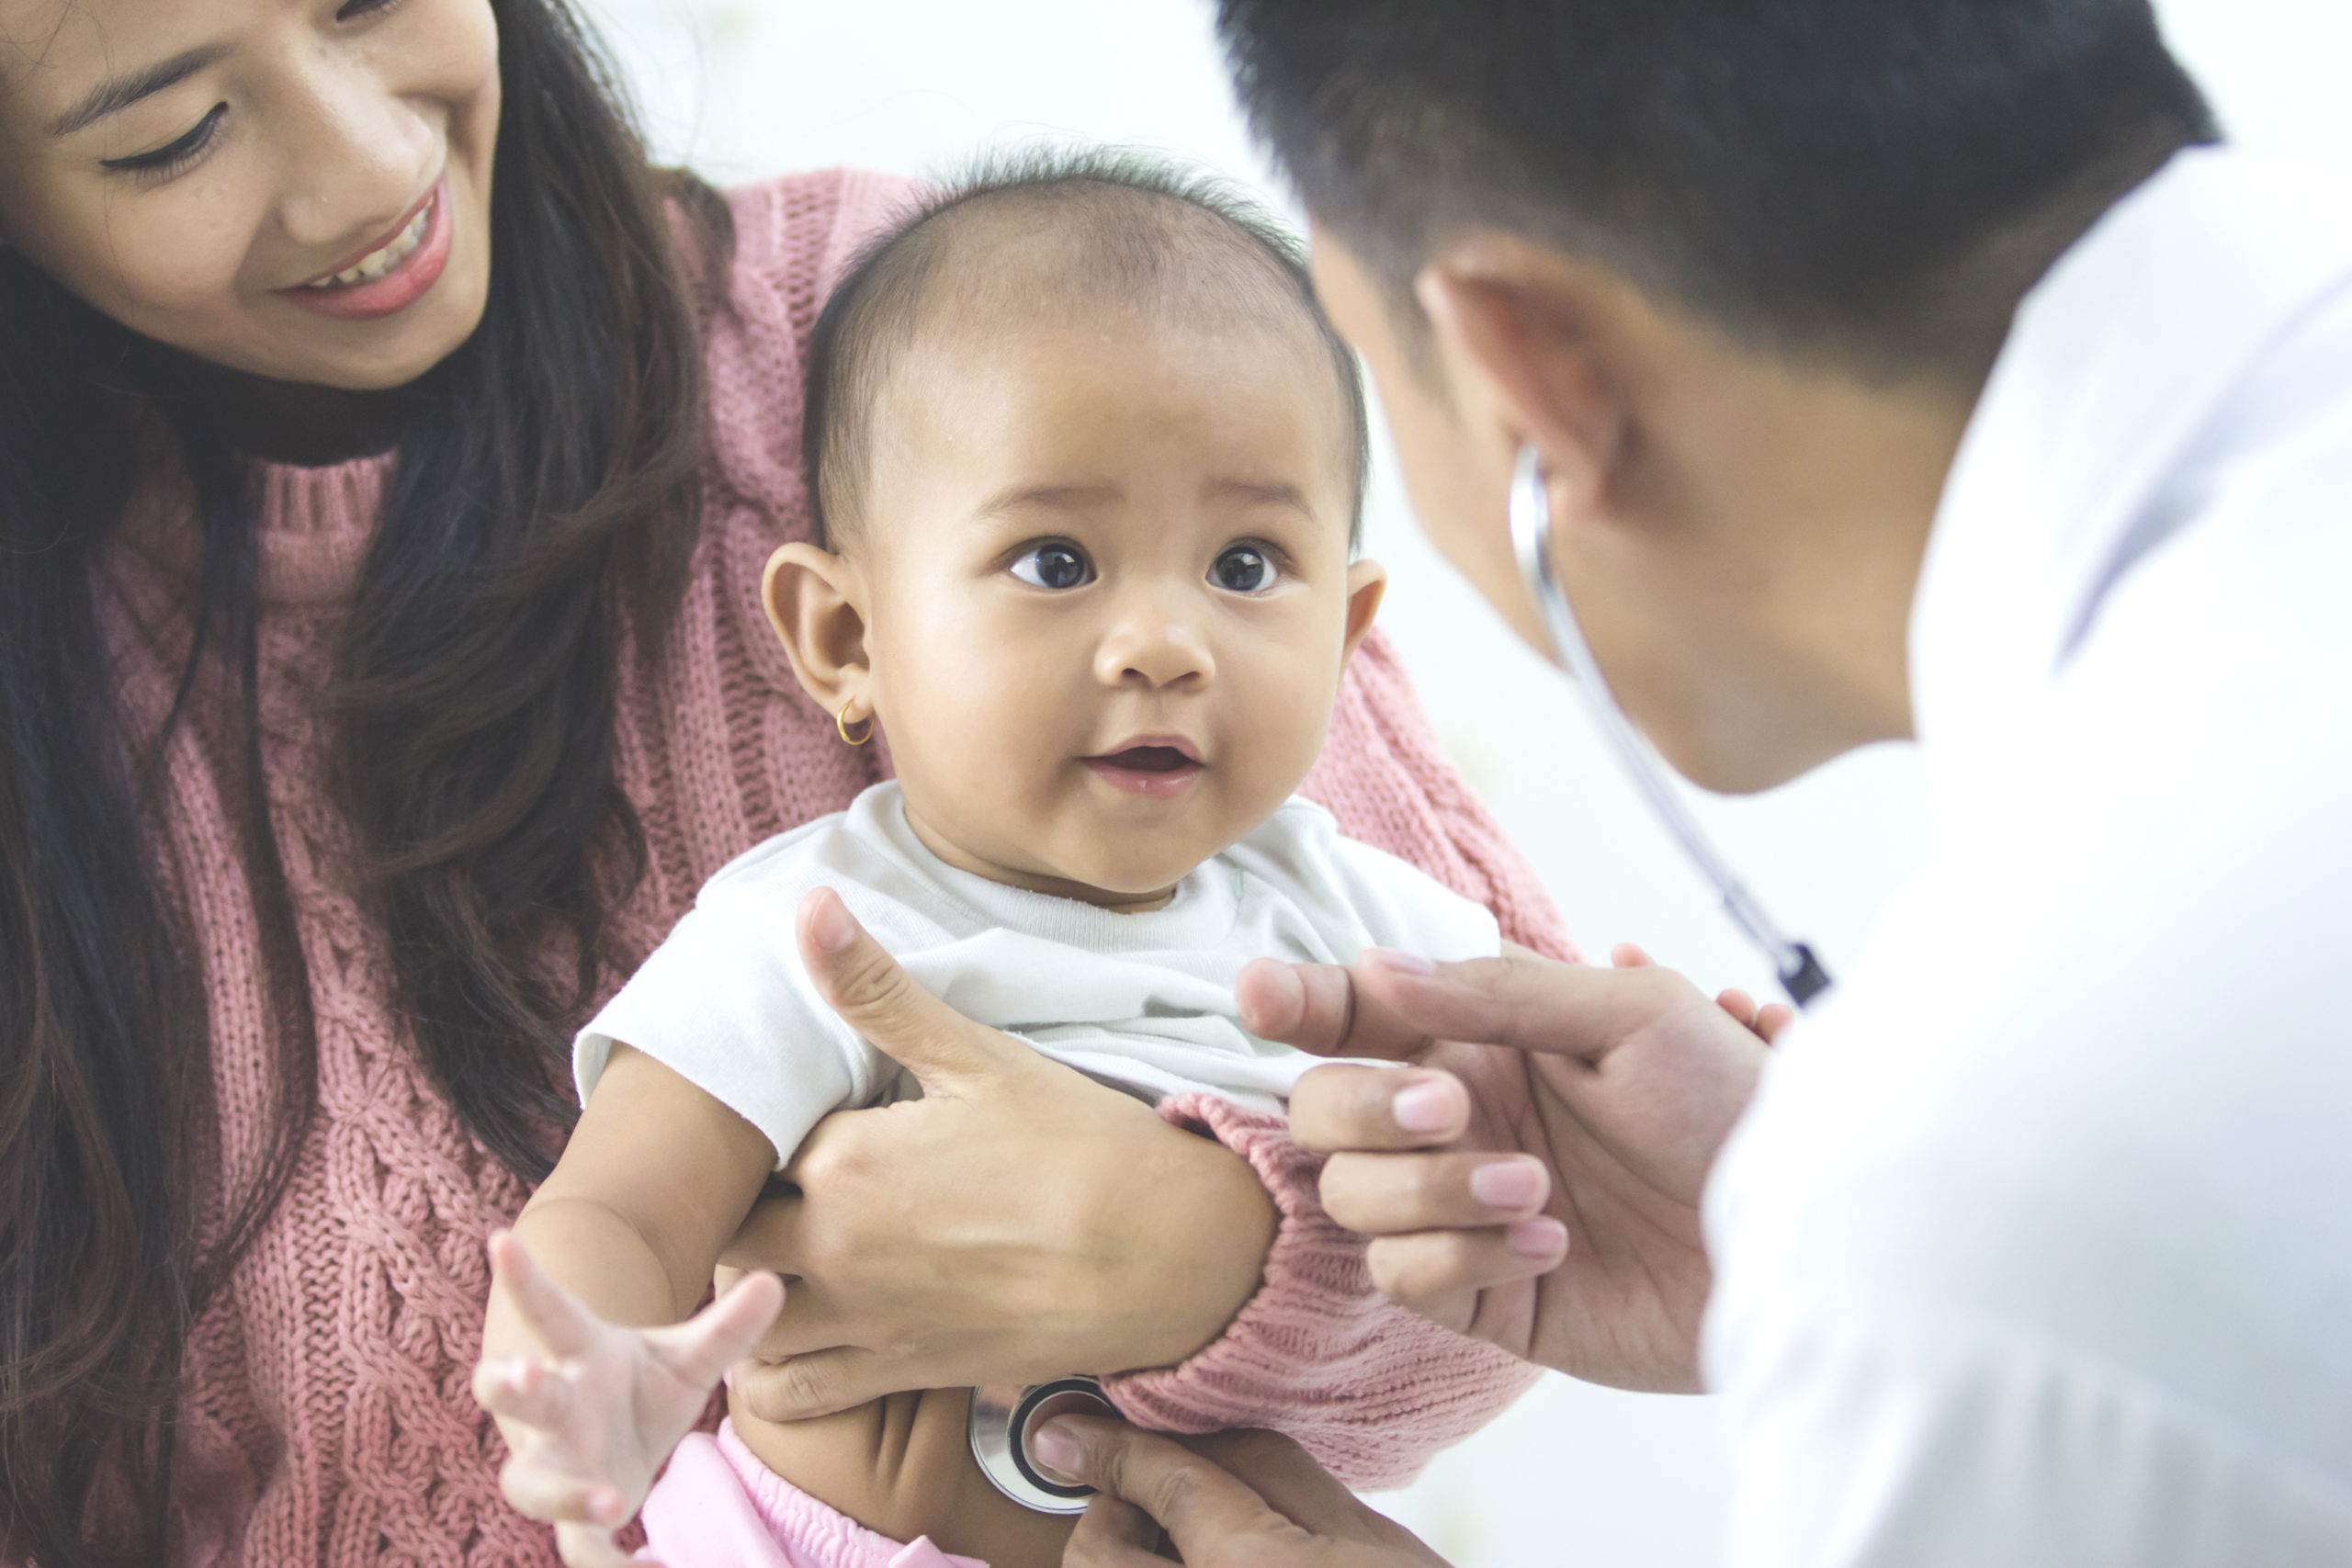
1000,1423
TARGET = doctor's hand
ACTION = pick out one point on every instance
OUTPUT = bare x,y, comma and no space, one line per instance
1606,1093
1287,1513
1017,1224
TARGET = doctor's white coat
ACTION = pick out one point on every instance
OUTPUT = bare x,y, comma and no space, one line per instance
2035,1248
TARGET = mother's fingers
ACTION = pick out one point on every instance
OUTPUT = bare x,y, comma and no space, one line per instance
819,1383
876,996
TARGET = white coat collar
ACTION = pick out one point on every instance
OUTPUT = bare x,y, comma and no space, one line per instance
2116,362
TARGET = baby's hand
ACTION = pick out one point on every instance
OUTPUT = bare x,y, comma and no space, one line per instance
588,1427
1768,1020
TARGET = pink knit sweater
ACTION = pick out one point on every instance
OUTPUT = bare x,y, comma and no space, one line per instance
326,1417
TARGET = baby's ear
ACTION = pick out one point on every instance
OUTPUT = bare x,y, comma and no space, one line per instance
815,601
1367,585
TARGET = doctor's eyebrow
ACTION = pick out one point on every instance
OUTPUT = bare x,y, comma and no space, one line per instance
115,95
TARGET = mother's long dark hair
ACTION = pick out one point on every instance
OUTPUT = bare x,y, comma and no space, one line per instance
545,493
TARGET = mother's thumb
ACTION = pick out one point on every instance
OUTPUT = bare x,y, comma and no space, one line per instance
876,997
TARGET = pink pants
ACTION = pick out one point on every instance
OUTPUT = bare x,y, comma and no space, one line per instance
717,1507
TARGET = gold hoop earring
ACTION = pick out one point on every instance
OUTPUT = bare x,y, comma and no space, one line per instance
841,725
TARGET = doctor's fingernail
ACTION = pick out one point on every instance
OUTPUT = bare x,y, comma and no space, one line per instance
1430,1106
1398,962
1507,1184
1054,1447
831,925
1543,1238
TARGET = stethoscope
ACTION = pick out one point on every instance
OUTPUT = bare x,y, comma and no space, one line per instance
1002,1418
998,1428
1801,972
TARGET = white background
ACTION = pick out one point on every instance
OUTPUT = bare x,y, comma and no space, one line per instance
743,88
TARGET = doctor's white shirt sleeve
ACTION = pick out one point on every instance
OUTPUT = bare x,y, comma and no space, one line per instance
1879,1435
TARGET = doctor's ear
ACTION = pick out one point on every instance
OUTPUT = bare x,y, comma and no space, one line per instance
816,601
1525,326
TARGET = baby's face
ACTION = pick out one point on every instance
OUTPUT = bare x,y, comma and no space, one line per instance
1108,594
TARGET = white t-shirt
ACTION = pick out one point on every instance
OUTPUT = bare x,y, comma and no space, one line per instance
2035,1248
1141,1001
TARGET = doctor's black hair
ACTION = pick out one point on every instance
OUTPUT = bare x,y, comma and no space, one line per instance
1147,231
1878,182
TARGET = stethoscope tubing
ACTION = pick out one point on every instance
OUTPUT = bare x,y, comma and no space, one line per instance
1800,972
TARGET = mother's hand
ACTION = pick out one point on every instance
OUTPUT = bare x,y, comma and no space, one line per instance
1609,1091
1017,1224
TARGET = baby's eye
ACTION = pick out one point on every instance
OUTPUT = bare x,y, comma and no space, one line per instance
1243,569
1054,566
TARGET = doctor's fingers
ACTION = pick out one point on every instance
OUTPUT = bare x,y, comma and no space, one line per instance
1212,1517
1396,1194
1440,1273
875,995
1395,1004
1345,1105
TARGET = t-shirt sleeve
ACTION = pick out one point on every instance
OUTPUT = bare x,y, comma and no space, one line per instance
1406,910
725,1004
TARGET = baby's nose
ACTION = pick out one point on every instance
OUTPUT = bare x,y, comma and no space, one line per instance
1154,649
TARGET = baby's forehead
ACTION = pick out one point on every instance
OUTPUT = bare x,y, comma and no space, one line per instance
1001,278
1053,259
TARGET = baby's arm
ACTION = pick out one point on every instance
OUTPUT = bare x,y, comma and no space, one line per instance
590,1388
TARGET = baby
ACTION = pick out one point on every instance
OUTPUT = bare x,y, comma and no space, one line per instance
1086,463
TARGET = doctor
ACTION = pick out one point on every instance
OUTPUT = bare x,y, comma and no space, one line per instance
1897,369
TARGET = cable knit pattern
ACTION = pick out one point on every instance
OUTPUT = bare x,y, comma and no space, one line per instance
1370,1390
325,1417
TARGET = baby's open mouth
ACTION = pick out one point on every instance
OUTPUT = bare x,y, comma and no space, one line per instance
1156,771
1151,758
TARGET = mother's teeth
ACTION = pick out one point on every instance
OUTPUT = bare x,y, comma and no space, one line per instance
374,265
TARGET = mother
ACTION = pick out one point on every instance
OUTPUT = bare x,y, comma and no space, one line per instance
386,460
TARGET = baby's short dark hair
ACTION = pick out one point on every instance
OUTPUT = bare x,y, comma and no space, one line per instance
1136,228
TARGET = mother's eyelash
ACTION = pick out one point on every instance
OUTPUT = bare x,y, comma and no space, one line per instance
166,162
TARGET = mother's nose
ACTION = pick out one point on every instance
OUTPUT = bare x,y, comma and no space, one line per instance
1152,643
355,157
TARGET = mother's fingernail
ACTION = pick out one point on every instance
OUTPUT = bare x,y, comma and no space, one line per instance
1507,1184
831,926
1544,1237
1056,1449
1398,963
1429,1106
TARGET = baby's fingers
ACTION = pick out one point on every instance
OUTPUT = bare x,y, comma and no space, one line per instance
700,1350
563,1325
524,1391
541,1491
590,1546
